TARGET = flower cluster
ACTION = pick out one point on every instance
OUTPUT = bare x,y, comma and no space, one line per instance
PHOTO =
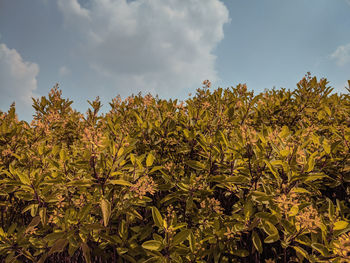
199,183
249,133
148,100
308,219
79,202
206,83
170,213
169,166
61,203
117,101
205,224
286,201
206,105
144,185
55,216
93,137
180,106
212,204
55,93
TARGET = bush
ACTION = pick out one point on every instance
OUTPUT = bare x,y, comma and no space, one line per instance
225,177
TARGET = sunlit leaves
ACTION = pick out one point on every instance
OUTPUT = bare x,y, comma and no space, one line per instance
149,160
152,245
223,176
340,225
180,237
157,217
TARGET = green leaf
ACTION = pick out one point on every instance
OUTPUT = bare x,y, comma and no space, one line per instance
86,252
106,211
155,168
301,251
186,133
122,250
314,177
294,210
272,238
331,209
195,165
139,120
311,162
300,190
248,209
327,110
320,248
120,182
224,138
157,217
284,152
152,245
58,246
54,236
180,237
262,138
24,178
85,211
63,155
340,225
326,146
120,152
43,215
284,132
272,169
80,183
192,242
35,221
42,258
240,252
257,242
149,160
269,228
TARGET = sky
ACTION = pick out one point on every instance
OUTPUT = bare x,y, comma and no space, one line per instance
167,48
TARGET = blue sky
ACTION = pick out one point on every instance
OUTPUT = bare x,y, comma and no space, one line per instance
166,47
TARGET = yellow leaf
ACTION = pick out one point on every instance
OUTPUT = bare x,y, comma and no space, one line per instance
294,210
106,211
149,160
340,225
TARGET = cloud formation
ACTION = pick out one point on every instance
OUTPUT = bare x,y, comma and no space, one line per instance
64,71
155,44
18,79
342,55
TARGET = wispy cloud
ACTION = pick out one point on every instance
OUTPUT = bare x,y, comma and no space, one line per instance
18,78
64,71
342,55
159,44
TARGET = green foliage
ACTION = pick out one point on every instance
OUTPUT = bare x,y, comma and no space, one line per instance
225,177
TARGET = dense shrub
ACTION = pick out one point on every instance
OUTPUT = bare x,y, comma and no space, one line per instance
227,176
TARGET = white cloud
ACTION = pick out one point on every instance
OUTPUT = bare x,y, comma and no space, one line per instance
163,45
342,55
18,78
64,71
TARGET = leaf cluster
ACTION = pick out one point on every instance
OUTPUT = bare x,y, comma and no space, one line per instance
227,176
